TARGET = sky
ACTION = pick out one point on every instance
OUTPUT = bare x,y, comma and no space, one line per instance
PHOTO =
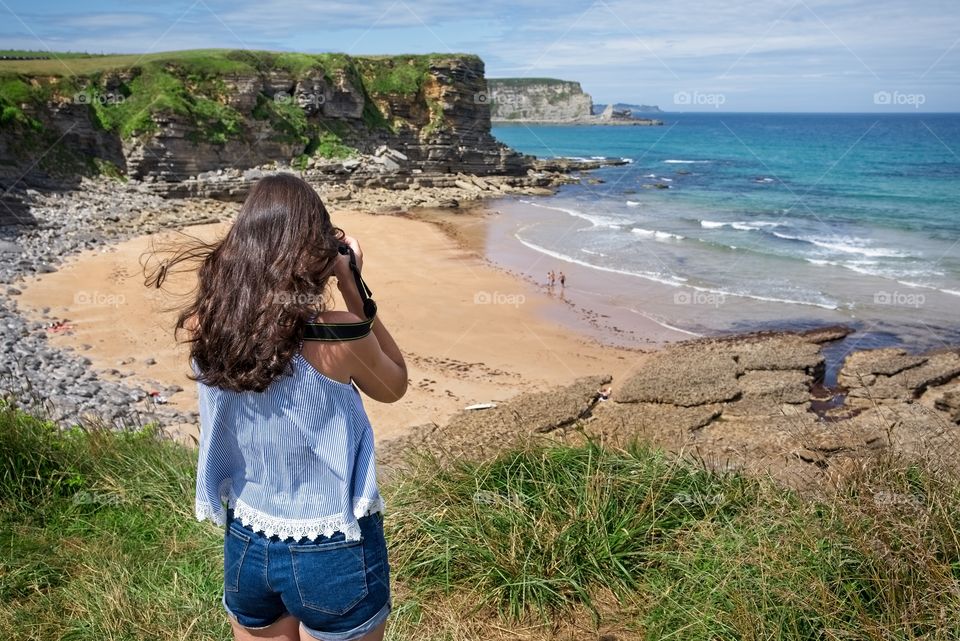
683,55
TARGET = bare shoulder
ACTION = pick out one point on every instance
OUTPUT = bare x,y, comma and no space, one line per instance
363,348
340,359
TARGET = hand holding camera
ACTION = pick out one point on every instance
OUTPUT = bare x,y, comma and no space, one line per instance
341,269
347,270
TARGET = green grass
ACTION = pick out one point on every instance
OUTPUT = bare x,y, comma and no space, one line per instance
539,530
329,145
197,94
386,77
402,75
287,120
61,64
98,541
193,85
43,52
14,92
26,135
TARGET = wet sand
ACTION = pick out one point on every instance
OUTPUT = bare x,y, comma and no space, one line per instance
592,304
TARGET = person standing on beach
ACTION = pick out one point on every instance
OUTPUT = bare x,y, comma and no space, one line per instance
563,280
552,278
286,457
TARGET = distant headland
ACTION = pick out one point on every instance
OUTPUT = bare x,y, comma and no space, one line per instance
549,100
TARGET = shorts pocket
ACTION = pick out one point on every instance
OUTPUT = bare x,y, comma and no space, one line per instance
235,546
331,577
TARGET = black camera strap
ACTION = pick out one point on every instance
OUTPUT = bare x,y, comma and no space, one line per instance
346,331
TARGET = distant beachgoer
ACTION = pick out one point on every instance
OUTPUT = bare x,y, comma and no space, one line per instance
563,280
552,278
285,441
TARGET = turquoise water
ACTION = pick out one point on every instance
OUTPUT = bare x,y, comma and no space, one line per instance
762,218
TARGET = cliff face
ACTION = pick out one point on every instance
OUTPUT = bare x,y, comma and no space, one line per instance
167,117
537,99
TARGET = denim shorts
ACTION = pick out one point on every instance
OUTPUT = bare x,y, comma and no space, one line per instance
338,589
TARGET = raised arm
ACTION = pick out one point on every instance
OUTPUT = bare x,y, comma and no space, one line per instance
378,367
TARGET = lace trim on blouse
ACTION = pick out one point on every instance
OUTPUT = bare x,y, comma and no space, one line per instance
287,528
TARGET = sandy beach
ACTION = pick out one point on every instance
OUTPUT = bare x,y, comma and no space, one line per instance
471,333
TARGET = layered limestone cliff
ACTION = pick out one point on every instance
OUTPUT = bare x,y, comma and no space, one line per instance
537,100
168,117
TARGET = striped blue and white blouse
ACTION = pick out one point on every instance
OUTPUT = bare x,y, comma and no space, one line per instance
296,460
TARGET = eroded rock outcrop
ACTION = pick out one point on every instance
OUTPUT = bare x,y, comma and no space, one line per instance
751,402
892,376
477,433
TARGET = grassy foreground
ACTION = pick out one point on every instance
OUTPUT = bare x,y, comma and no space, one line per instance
98,541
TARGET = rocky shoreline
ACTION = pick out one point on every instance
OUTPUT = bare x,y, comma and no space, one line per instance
384,179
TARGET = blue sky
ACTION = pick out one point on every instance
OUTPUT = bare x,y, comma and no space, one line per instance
684,55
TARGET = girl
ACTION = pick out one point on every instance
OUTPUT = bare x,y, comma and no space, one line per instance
285,442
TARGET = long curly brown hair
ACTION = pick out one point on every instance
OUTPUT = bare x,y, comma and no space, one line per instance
259,285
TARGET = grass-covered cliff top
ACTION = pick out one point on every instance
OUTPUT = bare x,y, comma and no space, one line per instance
126,91
221,61
98,541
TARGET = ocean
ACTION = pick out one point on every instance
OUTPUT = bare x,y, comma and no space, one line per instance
730,222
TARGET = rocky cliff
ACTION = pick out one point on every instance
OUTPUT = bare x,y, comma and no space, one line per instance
168,117
537,99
